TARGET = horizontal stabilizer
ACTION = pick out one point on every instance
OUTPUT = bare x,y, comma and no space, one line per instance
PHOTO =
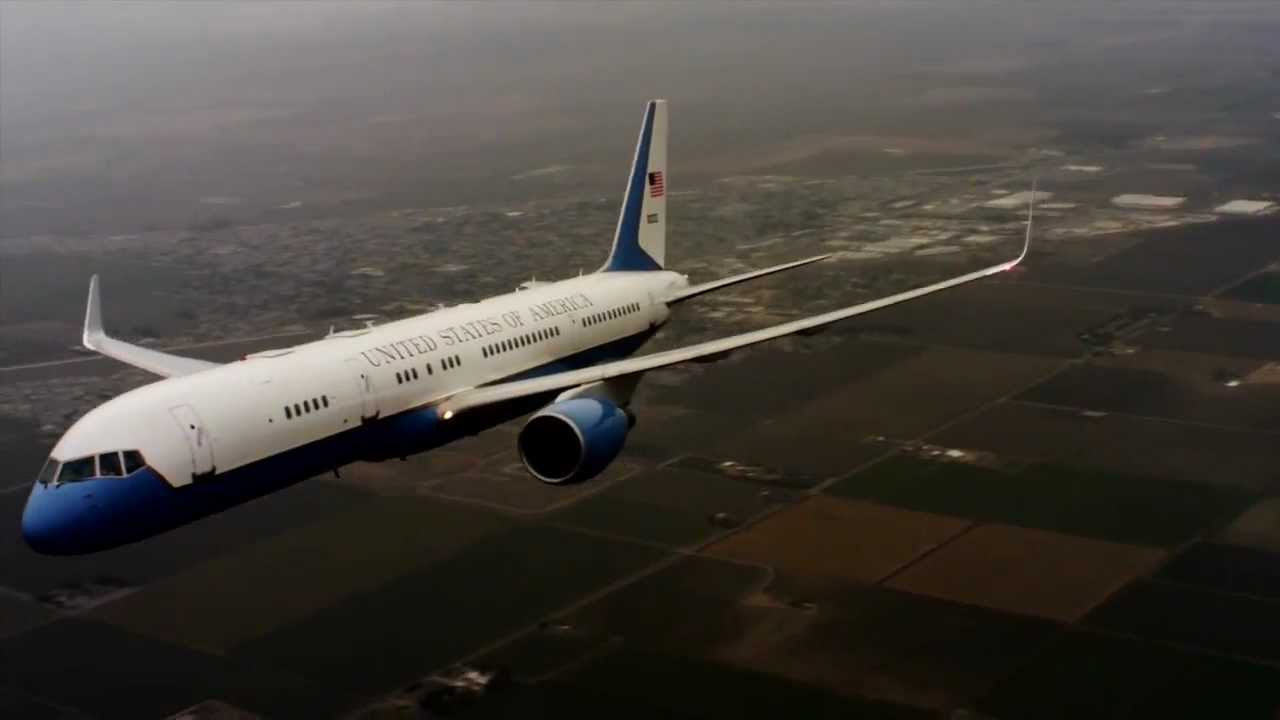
163,364
696,290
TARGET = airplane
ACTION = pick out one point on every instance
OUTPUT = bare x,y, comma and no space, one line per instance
207,436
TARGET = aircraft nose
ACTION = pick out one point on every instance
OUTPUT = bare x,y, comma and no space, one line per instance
49,519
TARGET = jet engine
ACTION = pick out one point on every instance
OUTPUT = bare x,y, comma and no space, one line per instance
573,440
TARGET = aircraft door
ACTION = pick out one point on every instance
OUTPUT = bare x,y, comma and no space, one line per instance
359,371
198,440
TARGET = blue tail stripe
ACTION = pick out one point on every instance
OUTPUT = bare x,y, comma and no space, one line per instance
627,253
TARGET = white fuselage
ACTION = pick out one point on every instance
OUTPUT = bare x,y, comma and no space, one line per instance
210,423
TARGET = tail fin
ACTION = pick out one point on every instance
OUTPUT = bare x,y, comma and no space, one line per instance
640,241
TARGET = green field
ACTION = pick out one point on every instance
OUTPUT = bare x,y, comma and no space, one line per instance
1218,687
284,578
1085,676
679,686
876,643
1079,501
1088,675
1261,288
107,672
1232,624
671,506
305,503
17,704
376,641
17,615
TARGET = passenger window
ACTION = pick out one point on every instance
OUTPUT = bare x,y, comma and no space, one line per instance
415,373
428,368
133,461
315,403
306,406
109,465
288,414
48,472
325,399
399,380
297,409
78,469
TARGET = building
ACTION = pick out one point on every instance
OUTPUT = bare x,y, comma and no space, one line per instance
1148,202
1245,207
1016,201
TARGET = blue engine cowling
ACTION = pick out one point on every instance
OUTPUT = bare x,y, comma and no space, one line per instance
573,440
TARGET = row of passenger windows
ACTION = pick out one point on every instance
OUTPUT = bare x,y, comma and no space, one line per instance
404,376
447,363
520,341
612,314
111,464
305,407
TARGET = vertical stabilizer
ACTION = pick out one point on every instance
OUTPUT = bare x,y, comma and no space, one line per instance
640,241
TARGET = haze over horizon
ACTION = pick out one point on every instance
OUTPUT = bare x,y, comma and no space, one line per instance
125,116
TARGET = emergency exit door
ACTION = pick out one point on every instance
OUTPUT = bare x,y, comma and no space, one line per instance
197,439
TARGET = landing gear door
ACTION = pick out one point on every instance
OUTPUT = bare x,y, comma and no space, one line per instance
359,371
198,440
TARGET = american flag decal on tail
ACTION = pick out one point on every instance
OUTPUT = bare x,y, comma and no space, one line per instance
656,186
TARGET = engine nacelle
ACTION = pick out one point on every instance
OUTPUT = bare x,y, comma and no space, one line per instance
573,440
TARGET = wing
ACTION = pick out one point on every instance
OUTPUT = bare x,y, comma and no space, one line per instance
163,364
489,394
696,290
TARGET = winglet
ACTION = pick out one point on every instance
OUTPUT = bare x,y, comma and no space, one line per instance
93,331
1031,217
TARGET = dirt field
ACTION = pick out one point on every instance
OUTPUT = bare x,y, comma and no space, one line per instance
837,539
1006,568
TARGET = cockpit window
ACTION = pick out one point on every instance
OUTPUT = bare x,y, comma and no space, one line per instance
109,465
78,469
133,461
48,472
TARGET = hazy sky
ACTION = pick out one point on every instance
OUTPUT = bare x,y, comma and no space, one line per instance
117,114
